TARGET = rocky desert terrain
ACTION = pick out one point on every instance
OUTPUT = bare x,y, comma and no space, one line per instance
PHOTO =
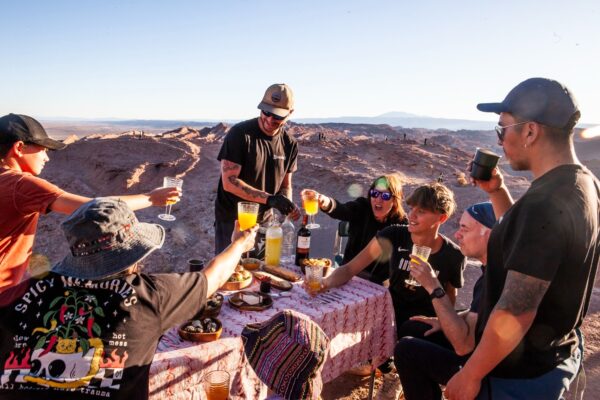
342,165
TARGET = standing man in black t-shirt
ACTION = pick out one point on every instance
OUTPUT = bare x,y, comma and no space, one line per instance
89,329
542,255
258,158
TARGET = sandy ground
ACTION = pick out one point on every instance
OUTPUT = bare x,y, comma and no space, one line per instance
343,166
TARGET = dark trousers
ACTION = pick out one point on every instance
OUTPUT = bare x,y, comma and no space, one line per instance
423,366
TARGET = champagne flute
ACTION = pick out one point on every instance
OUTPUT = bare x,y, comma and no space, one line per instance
422,253
247,216
310,202
170,181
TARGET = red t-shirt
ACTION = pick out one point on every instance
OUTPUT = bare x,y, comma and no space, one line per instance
22,198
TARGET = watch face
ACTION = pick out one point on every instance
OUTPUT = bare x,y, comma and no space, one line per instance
438,293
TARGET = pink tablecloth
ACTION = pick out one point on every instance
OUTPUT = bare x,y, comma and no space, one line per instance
358,318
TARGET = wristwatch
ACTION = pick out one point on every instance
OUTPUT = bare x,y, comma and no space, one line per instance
437,293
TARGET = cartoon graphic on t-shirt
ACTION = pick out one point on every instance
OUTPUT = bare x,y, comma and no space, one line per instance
64,349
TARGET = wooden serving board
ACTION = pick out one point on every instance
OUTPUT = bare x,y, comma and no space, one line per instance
236,301
276,282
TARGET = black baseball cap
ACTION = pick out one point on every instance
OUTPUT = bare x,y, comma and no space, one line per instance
15,127
542,100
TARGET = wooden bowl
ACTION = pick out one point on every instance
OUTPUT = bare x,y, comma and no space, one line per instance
251,264
237,285
201,337
213,311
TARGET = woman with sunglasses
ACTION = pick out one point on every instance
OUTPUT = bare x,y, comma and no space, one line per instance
367,216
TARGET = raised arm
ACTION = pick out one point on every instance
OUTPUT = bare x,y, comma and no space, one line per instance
69,202
347,271
497,191
508,323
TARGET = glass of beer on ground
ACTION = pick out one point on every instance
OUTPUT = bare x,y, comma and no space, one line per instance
310,202
170,181
216,385
313,277
422,253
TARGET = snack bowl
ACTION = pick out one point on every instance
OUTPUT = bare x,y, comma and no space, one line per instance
238,280
325,262
213,306
251,264
190,330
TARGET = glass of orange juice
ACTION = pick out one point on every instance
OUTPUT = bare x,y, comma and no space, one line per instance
422,253
170,181
247,214
310,202
216,385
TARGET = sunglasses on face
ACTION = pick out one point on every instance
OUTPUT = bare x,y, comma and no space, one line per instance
274,116
385,196
501,130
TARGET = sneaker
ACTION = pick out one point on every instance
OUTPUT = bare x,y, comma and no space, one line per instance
390,389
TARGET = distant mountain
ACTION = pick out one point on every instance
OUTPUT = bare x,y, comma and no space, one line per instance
406,120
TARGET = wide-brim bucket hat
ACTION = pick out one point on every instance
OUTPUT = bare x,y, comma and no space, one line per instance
105,238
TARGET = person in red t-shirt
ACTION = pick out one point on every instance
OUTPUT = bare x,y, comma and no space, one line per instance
23,197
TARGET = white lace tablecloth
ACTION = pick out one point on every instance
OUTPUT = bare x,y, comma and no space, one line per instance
358,318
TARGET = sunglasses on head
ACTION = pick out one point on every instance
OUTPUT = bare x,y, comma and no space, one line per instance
385,196
274,116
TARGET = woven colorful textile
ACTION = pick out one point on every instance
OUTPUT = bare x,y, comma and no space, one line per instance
287,352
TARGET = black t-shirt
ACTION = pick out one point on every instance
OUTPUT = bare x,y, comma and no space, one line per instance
264,159
448,262
477,292
362,228
65,338
552,233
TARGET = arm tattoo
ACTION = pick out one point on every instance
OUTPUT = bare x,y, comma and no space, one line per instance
286,191
229,166
246,189
522,293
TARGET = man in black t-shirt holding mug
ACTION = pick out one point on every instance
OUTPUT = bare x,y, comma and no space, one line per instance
258,158
542,255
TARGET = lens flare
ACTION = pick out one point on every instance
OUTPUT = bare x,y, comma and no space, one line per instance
590,133
355,190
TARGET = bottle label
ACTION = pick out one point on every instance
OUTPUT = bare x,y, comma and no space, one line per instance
303,242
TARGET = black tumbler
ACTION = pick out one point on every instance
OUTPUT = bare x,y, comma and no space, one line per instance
195,265
483,164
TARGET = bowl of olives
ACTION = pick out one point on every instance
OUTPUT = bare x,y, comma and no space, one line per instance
201,330
213,306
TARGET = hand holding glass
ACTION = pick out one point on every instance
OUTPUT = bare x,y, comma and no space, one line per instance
422,253
170,181
310,202
216,385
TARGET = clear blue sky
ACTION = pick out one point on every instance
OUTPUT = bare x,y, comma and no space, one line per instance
213,60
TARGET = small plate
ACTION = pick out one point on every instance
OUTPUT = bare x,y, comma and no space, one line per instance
236,301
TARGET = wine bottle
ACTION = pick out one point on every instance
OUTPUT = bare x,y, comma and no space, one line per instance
303,242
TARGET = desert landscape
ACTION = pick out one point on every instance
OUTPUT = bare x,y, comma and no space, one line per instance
104,161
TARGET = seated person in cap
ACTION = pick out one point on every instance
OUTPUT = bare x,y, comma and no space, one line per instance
24,147
287,352
90,327
422,363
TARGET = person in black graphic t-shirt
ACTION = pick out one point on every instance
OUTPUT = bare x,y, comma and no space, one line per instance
258,158
89,328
